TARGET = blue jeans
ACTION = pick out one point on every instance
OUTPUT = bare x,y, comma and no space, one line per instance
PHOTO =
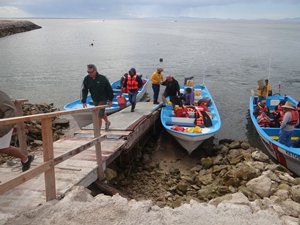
285,137
155,88
132,98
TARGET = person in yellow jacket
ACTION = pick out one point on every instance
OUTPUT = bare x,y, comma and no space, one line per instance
156,78
262,93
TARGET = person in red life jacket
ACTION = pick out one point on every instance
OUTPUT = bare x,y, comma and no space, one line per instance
289,122
263,120
278,113
172,89
261,107
123,78
298,109
132,82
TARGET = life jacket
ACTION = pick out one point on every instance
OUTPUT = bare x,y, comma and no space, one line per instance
295,118
199,118
263,120
279,113
132,83
262,109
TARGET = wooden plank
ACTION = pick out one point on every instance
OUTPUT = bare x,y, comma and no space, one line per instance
48,155
19,119
98,145
77,150
21,127
8,185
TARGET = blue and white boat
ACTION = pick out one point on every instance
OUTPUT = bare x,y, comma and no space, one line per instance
85,118
286,156
191,141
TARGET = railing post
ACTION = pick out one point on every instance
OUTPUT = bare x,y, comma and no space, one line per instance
98,145
21,127
48,156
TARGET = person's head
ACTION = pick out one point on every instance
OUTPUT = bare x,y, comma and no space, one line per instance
169,78
288,106
91,69
267,81
132,72
263,102
159,70
188,90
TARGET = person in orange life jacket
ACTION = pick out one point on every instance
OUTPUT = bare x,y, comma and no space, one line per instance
188,96
278,114
263,120
132,82
123,78
289,122
172,89
261,107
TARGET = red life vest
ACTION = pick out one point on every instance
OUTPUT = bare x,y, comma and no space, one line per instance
263,120
279,111
199,118
262,109
132,83
295,117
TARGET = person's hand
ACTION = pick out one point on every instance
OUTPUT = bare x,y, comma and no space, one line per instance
110,104
84,105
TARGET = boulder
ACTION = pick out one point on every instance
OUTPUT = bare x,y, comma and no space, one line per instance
206,162
182,187
295,193
234,145
204,180
236,198
235,156
287,178
282,194
245,145
260,156
260,186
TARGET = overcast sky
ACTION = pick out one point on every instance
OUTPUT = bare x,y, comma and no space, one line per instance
234,9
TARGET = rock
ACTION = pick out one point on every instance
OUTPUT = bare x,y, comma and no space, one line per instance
236,198
287,178
204,180
182,187
258,165
196,168
218,168
245,145
206,162
146,158
297,180
290,208
37,143
63,122
234,145
177,203
260,156
110,174
288,220
295,193
282,194
224,149
284,186
218,159
234,156
271,175
260,186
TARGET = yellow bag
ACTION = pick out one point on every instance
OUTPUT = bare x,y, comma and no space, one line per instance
197,129
190,83
197,92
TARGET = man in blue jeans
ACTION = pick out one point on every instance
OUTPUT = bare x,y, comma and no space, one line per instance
289,122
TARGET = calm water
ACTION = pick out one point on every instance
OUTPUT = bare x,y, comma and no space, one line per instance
48,65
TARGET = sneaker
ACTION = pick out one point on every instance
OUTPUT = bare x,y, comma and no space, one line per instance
107,125
26,166
156,103
132,110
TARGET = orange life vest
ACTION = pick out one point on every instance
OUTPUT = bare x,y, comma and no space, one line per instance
132,83
199,118
295,117
262,109
263,121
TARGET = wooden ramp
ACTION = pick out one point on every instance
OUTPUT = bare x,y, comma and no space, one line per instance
81,169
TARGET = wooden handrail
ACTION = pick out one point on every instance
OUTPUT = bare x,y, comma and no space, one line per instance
19,119
47,167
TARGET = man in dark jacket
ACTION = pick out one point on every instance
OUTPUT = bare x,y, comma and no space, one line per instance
172,89
7,110
101,92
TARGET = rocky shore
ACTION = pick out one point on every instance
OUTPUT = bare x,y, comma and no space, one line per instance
9,27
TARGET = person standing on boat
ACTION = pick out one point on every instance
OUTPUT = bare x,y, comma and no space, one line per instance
7,110
156,78
263,92
290,121
172,88
101,92
132,82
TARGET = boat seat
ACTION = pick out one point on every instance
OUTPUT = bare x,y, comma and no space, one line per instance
181,121
276,138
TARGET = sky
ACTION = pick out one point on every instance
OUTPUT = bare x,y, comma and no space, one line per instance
109,9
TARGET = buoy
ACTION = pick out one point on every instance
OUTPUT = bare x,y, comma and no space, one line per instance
161,59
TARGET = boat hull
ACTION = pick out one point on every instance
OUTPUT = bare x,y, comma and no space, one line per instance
191,141
286,156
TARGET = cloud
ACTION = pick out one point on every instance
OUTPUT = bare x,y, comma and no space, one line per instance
10,12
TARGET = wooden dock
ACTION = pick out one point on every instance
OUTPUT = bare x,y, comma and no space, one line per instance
127,129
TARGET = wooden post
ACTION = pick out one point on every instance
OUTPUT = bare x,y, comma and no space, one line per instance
21,127
98,145
48,156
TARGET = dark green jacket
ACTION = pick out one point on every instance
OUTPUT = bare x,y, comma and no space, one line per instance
99,88
7,110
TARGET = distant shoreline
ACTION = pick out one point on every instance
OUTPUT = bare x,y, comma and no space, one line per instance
10,27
